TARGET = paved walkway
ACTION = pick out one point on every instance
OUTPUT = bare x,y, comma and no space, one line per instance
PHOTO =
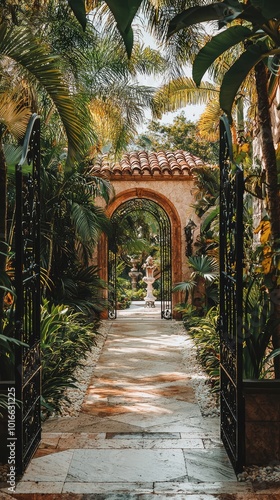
140,433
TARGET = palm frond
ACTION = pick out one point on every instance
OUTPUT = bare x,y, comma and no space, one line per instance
204,266
147,61
117,111
88,221
180,92
208,123
14,113
184,286
19,44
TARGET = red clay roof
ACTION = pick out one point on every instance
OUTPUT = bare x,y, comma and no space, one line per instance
148,163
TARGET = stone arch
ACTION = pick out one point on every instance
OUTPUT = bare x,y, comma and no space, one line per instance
175,223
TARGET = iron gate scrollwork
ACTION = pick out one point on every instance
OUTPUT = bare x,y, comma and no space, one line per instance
112,283
230,321
163,221
27,311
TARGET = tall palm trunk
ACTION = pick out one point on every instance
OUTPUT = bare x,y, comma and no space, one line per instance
3,224
270,163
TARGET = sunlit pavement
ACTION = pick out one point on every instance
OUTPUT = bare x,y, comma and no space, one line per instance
138,309
140,432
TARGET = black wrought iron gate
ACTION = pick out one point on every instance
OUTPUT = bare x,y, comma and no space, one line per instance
163,221
230,323
27,284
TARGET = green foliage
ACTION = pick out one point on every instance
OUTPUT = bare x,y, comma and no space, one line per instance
185,286
4,403
124,12
7,328
78,7
65,341
190,315
71,225
133,232
206,206
258,330
217,45
260,38
79,288
201,285
205,335
181,134
19,44
207,181
138,294
224,11
204,266
123,285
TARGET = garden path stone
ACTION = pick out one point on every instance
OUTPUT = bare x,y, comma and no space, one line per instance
140,433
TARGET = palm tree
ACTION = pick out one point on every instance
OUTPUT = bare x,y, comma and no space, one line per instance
71,222
260,35
13,119
23,59
116,100
205,271
95,63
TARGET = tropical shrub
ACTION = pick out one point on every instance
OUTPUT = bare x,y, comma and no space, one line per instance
79,289
258,353
7,327
204,274
138,294
190,315
65,341
259,41
207,341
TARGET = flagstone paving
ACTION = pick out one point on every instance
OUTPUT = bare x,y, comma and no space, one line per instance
140,432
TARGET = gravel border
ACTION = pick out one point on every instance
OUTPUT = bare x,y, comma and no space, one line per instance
208,401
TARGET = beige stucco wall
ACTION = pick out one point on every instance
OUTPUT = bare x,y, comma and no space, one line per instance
177,190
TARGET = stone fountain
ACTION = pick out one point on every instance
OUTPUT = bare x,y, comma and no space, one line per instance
134,274
149,280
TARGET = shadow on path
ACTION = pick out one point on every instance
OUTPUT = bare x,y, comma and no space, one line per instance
140,432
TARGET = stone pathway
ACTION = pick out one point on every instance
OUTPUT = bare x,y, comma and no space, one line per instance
140,433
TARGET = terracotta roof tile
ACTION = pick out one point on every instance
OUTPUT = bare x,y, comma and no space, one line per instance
149,163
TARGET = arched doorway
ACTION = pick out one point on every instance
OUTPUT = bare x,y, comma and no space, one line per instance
170,249
164,226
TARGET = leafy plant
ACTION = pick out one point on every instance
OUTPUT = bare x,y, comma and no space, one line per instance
123,12
207,341
79,289
190,315
204,272
261,39
258,330
204,266
186,287
257,38
7,328
64,343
